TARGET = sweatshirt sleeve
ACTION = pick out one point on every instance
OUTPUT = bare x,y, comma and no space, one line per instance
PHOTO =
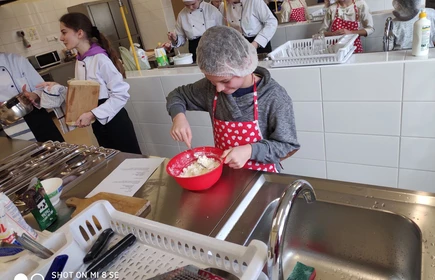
283,137
192,97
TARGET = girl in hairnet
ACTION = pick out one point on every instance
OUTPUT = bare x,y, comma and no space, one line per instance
252,115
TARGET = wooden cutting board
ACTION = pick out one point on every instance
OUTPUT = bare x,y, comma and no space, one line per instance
131,205
82,97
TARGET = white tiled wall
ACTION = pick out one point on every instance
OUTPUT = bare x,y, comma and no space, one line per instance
368,123
43,15
155,18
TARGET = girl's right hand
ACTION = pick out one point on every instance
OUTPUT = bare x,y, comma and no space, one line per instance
47,85
180,130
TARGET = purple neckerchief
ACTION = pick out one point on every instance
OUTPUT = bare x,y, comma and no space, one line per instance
95,49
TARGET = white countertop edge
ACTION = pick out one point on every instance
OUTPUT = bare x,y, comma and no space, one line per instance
364,58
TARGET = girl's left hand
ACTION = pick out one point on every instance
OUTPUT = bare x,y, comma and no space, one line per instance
85,119
238,156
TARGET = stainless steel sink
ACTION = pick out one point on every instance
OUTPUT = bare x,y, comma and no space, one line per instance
351,232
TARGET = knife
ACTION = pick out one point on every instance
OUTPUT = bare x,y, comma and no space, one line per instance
98,246
95,251
116,250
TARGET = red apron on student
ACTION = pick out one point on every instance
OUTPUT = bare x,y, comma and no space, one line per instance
340,23
228,134
298,14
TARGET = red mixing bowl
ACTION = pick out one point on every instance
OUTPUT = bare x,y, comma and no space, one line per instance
196,183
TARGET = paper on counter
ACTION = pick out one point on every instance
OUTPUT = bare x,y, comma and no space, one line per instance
128,177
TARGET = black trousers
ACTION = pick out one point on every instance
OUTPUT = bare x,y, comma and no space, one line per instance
41,124
117,134
193,44
266,49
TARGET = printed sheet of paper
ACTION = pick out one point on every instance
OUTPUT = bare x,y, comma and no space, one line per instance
128,177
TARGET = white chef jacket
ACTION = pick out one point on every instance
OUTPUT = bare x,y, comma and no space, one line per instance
101,69
192,24
348,13
16,71
254,19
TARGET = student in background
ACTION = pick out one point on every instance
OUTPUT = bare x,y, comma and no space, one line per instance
18,75
99,62
192,21
254,20
348,17
294,11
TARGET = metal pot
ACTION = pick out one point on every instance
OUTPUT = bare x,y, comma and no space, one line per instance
14,109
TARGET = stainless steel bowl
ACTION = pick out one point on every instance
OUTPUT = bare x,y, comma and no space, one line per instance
14,109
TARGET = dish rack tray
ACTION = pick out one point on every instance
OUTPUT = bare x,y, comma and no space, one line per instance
298,52
159,248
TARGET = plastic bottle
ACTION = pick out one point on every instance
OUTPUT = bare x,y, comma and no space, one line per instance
421,39
161,57
141,54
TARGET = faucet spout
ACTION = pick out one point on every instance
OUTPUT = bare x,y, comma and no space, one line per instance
279,223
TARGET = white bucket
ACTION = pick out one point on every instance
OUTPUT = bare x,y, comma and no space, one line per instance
182,59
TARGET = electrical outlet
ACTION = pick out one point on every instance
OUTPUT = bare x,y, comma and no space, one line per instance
32,34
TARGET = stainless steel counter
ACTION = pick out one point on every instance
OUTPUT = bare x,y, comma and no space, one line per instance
170,204
368,231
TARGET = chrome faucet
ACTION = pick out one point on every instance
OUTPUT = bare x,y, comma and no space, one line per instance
279,223
388,34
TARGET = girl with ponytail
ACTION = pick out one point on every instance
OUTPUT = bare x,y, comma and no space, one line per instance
98,61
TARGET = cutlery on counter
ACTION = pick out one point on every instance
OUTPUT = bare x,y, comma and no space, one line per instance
98,246
31,245
96,249
114,252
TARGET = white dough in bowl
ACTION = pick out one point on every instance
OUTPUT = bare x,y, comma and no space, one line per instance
197,167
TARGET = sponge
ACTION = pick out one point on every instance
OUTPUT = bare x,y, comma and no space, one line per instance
302,272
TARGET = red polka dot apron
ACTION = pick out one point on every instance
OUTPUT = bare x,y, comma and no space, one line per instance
340,23
298,14
228,134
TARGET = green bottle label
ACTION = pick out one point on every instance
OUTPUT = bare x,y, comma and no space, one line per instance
42,209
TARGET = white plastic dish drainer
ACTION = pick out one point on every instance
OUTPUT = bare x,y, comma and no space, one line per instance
159,248
298,52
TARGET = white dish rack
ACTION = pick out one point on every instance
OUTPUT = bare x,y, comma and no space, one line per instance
300,53
159,248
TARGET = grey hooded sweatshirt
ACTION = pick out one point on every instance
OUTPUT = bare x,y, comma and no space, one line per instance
275,113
